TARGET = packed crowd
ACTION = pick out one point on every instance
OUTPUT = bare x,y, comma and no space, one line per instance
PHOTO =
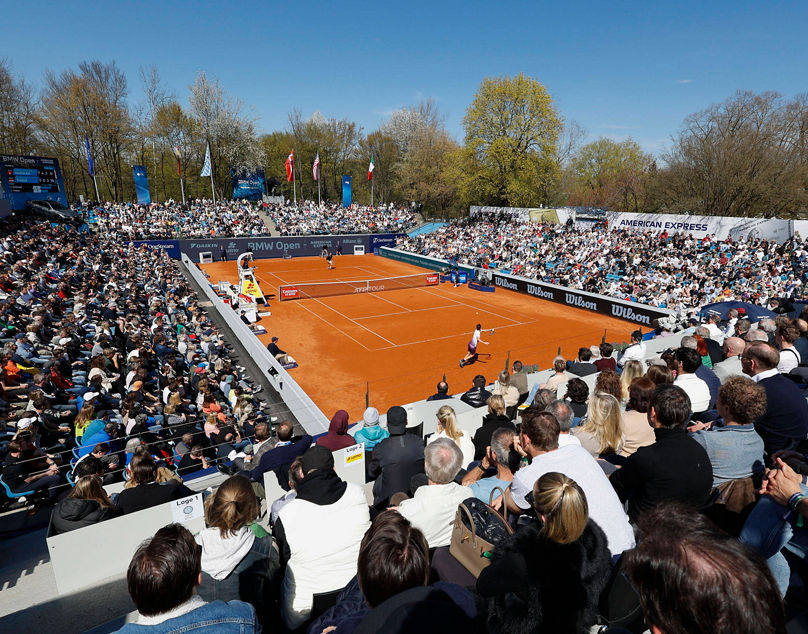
613,494
306,218
660,269
171,220
108,361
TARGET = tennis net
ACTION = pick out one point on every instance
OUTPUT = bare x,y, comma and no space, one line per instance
307,290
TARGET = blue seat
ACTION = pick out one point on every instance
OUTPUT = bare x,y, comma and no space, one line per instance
10,494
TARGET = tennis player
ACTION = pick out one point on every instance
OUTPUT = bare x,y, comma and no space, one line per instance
471,353
330,259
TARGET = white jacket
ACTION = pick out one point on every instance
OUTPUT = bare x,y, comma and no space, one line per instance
465,444
432,510
220,555
324,546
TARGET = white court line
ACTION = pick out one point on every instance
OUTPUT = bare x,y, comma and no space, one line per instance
413,343
337,328
457,301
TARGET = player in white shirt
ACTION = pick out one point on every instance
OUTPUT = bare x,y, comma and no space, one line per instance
471,351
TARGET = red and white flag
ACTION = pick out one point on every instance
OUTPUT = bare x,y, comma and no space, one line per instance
178,156
315,170
290,167
371,167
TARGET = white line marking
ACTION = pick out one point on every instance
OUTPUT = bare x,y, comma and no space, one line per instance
404,312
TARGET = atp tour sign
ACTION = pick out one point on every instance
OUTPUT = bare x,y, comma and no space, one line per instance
630,311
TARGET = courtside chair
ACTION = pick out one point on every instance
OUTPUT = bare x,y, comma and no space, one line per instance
10,494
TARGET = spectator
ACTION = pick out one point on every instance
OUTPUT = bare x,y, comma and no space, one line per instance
635,351
735,450
507,391
731,365
442,393
498,456
371,433
162,580
337,437
395,459
549,579
193,461
393,558
785,422
238,560
606,361
87,504
698,393
702,371
564,415
674,469
637,431
477,396
493,420
26,468
692,577
519,380
631,370
318,535
276,352
538,440
659,374
278,459
142,490
295,476
790,358
577,396
447,428
600,432
582,366
559,378
608,382
432,508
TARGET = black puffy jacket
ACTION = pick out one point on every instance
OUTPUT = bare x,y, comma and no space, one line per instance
72,513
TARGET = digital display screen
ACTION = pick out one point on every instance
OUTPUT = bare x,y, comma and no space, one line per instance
25,178
37,180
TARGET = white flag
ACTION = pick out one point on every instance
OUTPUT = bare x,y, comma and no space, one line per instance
206,166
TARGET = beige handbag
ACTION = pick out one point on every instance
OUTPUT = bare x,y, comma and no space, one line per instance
471,550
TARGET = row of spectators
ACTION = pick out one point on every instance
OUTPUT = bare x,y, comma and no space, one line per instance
307,218
172,220
674,271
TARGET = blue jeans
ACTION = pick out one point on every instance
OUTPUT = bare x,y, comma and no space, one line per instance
769,529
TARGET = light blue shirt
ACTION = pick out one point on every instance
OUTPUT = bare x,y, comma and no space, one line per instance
482,488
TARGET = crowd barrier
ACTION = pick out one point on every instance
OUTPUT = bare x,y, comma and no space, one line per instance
273,247
87,556
609,306
296,400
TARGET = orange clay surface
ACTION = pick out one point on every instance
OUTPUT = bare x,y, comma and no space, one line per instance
398,344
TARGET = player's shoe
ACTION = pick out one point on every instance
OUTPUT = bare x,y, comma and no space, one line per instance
461,363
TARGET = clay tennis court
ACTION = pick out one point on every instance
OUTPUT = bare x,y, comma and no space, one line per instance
398,344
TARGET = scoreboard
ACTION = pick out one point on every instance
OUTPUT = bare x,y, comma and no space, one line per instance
30,178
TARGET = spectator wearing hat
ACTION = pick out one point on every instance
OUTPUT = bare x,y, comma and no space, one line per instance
395,459
371,433
318,535
276,352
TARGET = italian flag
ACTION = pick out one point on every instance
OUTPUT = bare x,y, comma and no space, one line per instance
370,169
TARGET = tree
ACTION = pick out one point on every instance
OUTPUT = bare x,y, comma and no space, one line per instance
610,174
746,156
17,109
512,130
173,126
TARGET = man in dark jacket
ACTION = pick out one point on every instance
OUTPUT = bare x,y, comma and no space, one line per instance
395,459
279,458
785,422
477,396
675,468
442,393
583,365
492,421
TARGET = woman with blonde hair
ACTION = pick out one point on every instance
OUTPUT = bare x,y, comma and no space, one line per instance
237,554
85,416
87,504
447,428
507,391
601,433
548,577
632,369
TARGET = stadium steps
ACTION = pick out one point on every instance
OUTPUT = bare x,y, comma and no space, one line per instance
272,228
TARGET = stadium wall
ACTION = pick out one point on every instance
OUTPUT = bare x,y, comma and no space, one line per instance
299,403
273,247
630,311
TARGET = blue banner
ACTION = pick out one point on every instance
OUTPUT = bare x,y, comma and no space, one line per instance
248,185
90,168
346,191
141,185
171,247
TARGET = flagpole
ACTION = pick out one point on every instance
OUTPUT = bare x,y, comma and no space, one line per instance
154,157
95,182
371,192
212,191
294,180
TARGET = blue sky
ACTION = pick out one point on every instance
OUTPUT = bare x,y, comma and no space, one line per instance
619,68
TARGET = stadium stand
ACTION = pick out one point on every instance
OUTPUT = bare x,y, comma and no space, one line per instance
308,219
113,374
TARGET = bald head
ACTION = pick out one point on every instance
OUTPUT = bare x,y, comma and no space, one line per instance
733,346
763,356
801,325
757,335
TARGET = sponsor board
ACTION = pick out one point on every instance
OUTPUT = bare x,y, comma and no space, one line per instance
369,289
432,279
290,292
